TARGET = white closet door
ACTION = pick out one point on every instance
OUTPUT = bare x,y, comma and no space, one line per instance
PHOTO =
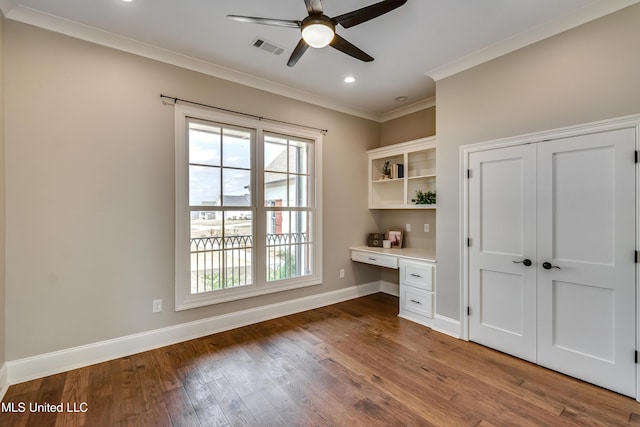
502,220
586,234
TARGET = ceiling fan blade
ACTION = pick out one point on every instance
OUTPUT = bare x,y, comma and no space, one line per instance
367,13
344,46
266,21
314,7
297,53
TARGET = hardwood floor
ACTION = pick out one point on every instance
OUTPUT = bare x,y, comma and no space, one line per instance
349,364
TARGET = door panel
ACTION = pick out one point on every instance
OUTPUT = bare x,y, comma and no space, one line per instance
573,308
582,192
502,301
586,227
502,294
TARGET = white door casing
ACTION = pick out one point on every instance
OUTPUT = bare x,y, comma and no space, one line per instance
584,221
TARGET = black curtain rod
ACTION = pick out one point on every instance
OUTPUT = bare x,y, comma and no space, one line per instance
324,131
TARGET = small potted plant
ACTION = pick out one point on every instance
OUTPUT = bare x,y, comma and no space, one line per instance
386,170
424,198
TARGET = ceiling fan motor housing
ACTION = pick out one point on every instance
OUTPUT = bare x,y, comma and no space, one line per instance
318,30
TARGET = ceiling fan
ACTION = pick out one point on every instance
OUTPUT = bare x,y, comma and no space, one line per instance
318,30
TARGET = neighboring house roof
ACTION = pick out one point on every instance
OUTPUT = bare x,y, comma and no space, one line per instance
279,164
228,200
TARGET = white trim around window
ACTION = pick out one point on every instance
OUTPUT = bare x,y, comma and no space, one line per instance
257,213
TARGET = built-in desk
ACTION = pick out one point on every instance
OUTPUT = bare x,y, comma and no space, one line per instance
417,277
370,255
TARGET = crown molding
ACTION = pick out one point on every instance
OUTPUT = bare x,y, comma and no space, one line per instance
408,109
562,23
6,6
30,16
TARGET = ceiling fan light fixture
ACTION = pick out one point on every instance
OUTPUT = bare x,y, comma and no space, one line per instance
318,32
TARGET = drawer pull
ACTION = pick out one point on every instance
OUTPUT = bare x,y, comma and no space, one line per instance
372,259
416,275
415,301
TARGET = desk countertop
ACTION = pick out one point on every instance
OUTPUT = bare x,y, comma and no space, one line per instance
418,254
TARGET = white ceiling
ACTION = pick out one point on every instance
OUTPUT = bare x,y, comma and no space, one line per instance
413,45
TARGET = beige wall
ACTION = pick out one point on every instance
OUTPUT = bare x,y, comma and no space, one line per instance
407,128
90,189
586,74
2,204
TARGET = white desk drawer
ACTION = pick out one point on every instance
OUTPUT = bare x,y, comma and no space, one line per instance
418,274
416,300
388,261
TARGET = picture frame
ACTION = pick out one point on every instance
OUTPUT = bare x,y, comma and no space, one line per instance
395,236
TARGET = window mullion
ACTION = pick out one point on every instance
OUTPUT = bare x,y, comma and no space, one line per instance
260,244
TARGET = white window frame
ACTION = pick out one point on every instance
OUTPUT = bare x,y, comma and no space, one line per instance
183,298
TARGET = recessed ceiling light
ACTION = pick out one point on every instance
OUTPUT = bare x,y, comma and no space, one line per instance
400,98
349,79
127,1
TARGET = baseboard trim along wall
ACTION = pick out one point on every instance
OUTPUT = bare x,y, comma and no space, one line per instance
390,288
55,362
4,383
29,368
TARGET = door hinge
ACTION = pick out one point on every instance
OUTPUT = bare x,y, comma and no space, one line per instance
635,257
636,156
468,173
468,310
468,242
636,356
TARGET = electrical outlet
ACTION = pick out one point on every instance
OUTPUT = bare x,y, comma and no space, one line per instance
426,228
342,273
157,305
408,228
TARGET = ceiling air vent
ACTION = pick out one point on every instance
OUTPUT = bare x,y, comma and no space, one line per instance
268,46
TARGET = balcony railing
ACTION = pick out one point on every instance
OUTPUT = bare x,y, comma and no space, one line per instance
226,262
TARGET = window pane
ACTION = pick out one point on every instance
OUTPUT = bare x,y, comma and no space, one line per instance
275,154
221,250
204,186
238,248
288,245
206,254
300,226
298,191
279,261
236,187
204,144
298,157
236,148
275,189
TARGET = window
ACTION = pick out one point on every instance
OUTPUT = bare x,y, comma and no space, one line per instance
247,208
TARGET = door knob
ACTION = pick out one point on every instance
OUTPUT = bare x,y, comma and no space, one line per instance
548,266
526,262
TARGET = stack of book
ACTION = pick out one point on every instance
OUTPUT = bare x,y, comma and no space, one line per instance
397,171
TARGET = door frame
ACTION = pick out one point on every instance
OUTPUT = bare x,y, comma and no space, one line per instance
465,151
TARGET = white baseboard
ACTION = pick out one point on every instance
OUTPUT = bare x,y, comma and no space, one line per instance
438,323
29,368
447,325
4,383
390,288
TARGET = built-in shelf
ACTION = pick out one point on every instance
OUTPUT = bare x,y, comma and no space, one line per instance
416,170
